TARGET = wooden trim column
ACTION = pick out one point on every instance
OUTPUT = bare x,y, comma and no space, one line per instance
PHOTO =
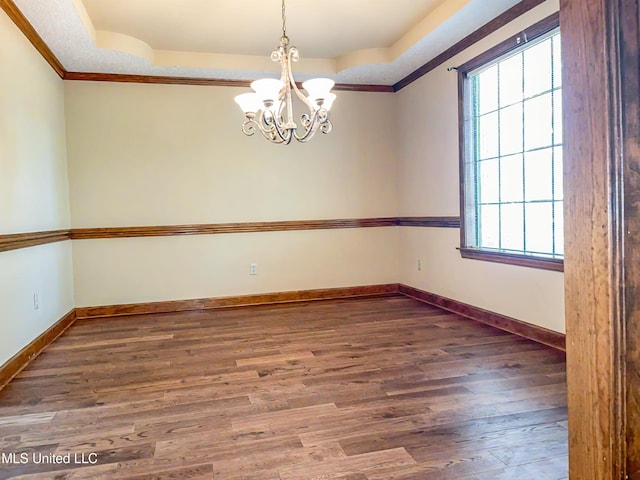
601,75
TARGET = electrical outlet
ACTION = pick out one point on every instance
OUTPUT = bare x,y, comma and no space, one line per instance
253,269
419,264
36,303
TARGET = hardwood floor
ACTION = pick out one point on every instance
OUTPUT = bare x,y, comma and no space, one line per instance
362,389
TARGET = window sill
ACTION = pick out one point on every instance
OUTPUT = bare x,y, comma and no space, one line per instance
554,264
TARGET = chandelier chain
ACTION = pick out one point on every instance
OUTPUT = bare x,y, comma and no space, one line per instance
284,21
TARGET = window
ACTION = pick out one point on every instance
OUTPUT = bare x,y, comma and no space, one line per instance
511,151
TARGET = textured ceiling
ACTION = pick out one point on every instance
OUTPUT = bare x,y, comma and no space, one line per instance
252,27
351,41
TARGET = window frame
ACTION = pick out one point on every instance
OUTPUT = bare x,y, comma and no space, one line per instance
534,32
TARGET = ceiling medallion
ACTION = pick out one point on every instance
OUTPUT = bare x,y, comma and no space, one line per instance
270,108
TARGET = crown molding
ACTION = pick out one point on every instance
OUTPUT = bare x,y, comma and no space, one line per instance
14,13
217,82
28,31
487,29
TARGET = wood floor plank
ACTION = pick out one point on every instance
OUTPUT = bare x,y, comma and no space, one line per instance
548,469
99,472
433,448
197,472
21,420
377,388
531,452
475,428
364,463
451,468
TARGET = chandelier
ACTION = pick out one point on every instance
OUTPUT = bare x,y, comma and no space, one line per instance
270,108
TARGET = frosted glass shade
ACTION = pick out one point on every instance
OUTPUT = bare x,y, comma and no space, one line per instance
267,89
318,87
249,102
327,102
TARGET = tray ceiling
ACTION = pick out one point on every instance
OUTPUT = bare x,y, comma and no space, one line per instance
352,41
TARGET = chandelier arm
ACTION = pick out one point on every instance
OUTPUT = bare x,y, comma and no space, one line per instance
287,92
286,134
268,130
293,53
271,135
249,127
326,127
311,125
273,130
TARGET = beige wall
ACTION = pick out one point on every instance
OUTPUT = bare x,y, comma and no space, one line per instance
428,185
166,155
171,154
167,268
33,192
